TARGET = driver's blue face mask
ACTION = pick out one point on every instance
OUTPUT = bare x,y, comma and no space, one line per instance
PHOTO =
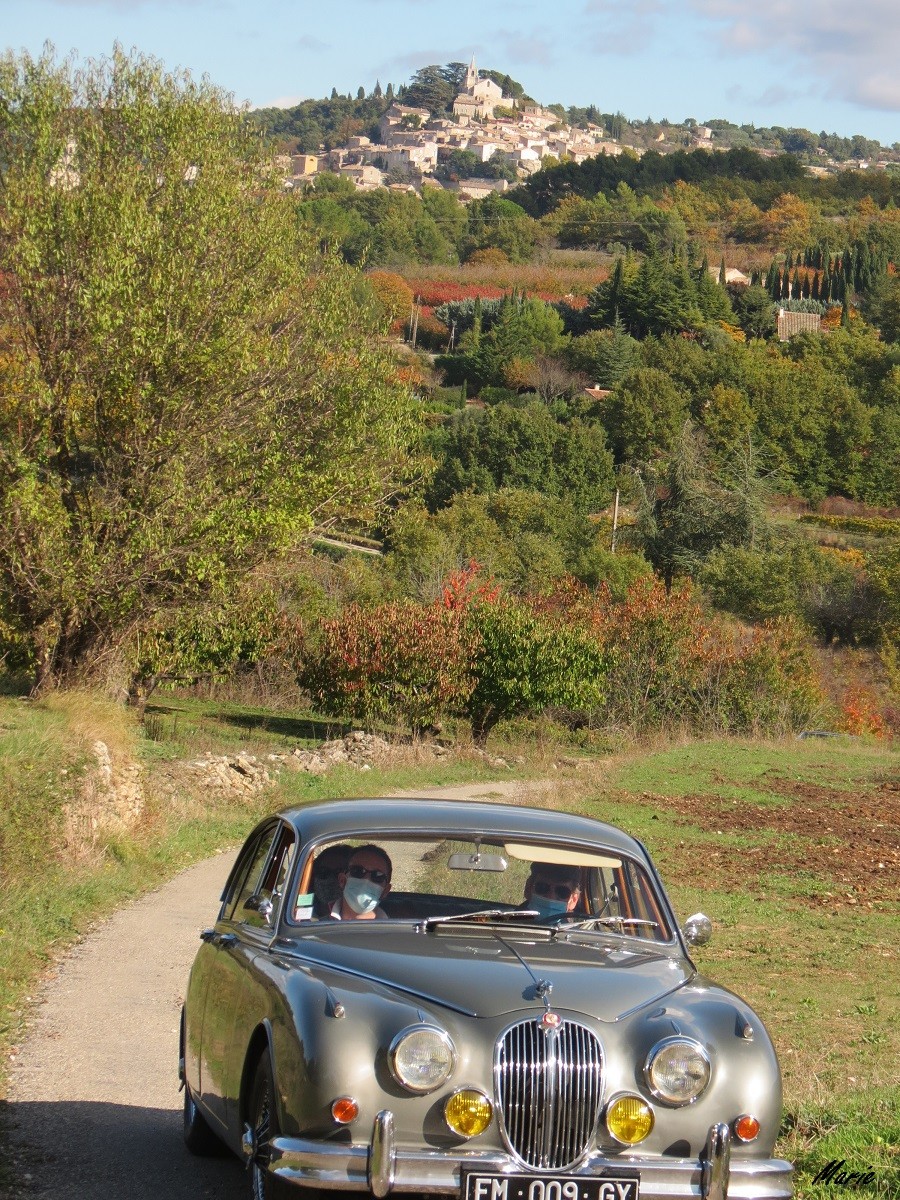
545,907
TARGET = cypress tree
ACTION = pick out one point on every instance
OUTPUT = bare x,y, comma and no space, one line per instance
796,286
785,286
788,262
814,290
845,313
806,287
377,92
722,279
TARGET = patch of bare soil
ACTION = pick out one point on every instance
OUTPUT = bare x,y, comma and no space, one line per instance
850,840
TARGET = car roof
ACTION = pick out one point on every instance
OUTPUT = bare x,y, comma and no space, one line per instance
427,816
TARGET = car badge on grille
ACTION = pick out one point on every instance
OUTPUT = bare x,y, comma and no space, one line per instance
551,1020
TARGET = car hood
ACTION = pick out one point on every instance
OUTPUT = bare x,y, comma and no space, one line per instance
485,974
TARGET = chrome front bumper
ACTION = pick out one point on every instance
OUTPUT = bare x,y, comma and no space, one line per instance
383,1169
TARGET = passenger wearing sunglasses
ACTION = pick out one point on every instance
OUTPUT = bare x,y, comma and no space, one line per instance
366,880
326,886
552,890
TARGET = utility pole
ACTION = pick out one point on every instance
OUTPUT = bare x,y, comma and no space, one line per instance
415,322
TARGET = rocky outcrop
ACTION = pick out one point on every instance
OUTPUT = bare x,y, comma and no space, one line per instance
247,774
110,801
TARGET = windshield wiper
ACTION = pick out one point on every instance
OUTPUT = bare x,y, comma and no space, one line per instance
483,916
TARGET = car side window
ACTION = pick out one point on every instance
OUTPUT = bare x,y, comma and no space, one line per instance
247,877
270,888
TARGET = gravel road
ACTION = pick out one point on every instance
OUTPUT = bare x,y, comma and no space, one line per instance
94,1103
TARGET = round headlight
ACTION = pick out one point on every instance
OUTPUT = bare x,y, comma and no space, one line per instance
468,1112
421,1058
629,1119
677,1070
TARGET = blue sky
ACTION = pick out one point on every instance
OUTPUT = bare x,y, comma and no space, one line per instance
820,64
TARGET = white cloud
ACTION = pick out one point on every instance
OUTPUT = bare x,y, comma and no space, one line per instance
308,42
282,102
851,50
619,29
534,47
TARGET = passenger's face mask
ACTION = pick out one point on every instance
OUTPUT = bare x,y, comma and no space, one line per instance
362,895
545,907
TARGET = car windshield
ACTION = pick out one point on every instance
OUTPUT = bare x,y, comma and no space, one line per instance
575,887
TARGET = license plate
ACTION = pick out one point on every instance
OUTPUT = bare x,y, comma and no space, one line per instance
619,1185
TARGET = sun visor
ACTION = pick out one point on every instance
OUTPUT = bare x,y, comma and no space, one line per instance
561,856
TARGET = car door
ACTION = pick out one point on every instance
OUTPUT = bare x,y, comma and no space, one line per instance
227,957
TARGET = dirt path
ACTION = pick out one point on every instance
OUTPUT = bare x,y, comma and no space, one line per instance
94,1102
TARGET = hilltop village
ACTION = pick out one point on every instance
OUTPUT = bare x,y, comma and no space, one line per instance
495,128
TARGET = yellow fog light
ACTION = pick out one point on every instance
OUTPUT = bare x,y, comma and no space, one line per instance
629,1119
468,1112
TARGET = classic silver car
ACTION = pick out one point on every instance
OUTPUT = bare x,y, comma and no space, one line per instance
469,999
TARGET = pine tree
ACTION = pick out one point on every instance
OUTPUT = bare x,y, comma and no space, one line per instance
476,322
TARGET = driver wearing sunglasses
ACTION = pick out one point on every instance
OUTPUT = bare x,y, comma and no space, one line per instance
552,890
365,881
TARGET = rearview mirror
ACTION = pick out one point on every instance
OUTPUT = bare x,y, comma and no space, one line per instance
476,861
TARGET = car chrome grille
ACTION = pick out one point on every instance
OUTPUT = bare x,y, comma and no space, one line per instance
549,1083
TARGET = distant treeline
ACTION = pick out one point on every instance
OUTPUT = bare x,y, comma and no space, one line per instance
758,178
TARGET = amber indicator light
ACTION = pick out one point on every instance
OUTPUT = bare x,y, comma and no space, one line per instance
344,1110
746,1128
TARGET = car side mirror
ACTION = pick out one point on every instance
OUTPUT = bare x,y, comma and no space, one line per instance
697,930
261,905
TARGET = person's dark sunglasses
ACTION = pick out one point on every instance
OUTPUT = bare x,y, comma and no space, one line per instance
561,891
357,871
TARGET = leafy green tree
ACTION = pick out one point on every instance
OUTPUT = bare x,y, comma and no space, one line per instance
755,311
685,513
186,388
505,447
883,308
524,662
604,355
523,539
496,223
431,88
644,415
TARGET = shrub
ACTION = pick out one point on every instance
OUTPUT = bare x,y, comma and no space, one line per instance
524,662
399,660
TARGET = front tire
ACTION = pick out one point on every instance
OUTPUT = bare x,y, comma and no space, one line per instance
198,1137
264,1121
